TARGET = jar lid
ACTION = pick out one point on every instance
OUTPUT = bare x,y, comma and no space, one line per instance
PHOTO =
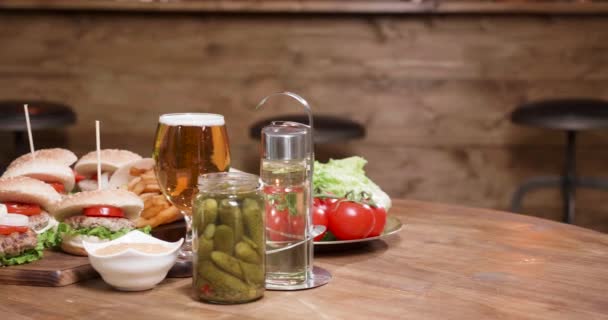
284,142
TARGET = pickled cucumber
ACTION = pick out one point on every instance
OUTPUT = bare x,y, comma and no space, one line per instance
254,273
209,212
224,285
224,239
250,242
230,215
246,253
204,249
209,231
227,263
254,223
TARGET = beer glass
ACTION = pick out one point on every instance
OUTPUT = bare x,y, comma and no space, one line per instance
186,146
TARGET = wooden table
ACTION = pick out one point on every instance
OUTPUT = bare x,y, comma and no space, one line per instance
447,263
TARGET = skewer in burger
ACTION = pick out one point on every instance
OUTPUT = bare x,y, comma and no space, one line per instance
51,166
96,216
111,160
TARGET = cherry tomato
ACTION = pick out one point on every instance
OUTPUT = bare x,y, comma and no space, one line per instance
25,209
319,217
78,177
349,220
380,218
104,211
59,187
7,230
277,223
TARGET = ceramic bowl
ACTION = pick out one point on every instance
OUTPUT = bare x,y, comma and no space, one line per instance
132,270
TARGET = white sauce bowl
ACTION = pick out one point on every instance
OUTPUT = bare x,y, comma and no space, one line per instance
133,270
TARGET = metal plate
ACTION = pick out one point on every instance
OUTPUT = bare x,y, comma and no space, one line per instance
393,225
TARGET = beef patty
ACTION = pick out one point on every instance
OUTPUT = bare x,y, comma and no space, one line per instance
113,224
16,243
39,221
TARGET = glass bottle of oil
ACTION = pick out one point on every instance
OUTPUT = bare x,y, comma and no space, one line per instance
286,184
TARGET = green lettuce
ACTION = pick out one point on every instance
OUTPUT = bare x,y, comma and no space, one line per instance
99,232
28,256
340,177
50,238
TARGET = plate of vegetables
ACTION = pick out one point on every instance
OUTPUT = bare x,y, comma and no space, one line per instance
351,206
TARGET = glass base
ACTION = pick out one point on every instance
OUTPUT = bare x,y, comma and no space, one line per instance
183,266
318,278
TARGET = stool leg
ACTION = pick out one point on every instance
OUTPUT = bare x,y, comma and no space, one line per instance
20,143
531,185
569,179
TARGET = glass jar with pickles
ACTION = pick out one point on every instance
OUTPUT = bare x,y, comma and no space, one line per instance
228,238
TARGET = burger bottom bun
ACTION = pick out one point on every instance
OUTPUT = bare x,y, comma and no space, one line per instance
73,244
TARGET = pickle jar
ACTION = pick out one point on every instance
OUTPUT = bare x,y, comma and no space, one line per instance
228,238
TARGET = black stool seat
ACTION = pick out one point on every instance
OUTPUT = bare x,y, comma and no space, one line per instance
43,115
328,129
563,114
570,116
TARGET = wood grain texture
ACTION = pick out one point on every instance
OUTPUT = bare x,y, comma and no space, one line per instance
434,92
316,6
448,262
55,269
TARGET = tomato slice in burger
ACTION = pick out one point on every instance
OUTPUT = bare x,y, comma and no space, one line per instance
104,212
78,177
25,209
7,230
59,187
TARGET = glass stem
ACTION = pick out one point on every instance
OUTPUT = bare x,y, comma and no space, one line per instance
186,250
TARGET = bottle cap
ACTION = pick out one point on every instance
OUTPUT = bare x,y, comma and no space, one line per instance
285,142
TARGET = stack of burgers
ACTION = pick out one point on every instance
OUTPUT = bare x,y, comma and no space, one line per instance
38,190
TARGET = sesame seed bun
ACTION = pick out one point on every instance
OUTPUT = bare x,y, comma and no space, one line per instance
62,156
48,170
73,205
111,159
28,190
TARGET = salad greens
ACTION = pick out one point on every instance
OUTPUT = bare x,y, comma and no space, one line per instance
100,232
340,177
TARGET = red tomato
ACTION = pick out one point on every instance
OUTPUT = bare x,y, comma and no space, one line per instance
349,220
7,230
104,211
78,177
277,223
59,187
297,225
319,217
380,218
25,209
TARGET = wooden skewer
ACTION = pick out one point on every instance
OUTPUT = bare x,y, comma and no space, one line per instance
97,138
29,129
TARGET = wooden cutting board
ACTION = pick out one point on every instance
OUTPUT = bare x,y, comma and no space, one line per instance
57,269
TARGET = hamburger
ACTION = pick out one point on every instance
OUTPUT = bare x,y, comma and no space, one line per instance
111,160
51,166
96,216
62,156
18,243
31,198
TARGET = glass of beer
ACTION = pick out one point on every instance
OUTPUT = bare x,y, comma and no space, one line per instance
186,146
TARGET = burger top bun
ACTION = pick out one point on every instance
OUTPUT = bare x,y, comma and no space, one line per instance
28,190
122,176
111,159
62,156
43,169
73,205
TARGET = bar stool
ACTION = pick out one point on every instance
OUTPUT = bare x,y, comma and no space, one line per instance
43,115
328,129
571,116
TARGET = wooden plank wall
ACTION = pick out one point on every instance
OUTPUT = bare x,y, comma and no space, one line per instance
434,92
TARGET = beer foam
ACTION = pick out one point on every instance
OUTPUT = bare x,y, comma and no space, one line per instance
192,119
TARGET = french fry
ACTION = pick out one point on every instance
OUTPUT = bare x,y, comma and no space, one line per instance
136,171
152,188
133,182
139,188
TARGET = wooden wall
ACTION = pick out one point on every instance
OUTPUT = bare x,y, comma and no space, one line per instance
434,92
